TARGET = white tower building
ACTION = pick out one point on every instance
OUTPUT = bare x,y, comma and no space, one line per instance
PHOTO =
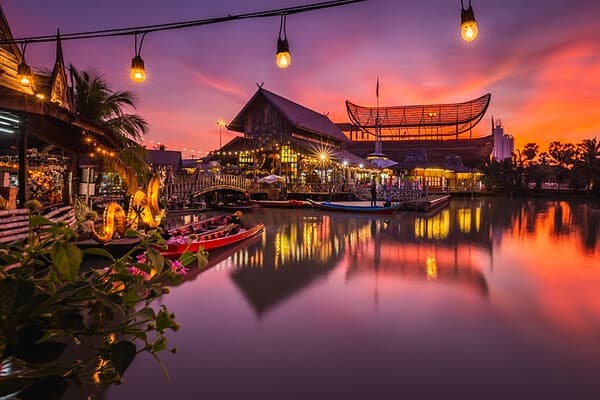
504,144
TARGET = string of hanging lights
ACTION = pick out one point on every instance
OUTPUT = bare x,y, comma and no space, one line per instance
469,32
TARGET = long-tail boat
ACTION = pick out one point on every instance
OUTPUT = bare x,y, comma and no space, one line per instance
205,226
226,235
360,209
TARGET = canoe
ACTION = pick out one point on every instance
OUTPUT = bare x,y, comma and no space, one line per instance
345,207
233,233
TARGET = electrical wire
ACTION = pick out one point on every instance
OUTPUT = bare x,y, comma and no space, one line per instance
179,25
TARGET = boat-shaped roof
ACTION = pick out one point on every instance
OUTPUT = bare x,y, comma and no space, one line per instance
406,122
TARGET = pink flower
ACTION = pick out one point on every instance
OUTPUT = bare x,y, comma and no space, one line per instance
178,268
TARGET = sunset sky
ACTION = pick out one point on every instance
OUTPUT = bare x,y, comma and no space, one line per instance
540,59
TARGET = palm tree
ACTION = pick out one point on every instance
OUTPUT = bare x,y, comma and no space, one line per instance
589,162
95,101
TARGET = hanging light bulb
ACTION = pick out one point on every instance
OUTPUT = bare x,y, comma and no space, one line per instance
24,75
283,58
138,71
468,25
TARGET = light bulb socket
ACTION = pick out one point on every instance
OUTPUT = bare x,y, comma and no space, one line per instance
467,15
23,69
137,63
283,46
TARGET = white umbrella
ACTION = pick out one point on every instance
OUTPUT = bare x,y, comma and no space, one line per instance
272,179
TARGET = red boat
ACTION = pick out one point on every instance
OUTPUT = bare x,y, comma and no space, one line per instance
205,226
228,234
282,203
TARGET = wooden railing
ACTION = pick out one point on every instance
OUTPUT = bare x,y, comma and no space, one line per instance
189,186
14,224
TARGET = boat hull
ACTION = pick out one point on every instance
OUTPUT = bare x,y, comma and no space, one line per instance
176,249
354,209
282,203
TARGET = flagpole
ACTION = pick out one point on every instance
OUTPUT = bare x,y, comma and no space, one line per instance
378,149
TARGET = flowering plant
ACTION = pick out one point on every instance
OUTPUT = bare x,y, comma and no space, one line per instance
51,307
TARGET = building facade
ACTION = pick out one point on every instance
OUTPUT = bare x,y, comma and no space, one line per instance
504,144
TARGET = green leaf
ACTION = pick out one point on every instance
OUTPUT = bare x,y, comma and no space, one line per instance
164,320
155,259
10,385
121,355
160,344
132,233
38,220
24,294
48,388
96,251
187,257
40,353
69,320
67,260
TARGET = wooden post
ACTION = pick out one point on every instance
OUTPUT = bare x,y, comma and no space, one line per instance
22,152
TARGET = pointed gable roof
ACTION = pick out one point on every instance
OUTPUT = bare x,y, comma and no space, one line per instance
58,79
6,34
299,116
10,58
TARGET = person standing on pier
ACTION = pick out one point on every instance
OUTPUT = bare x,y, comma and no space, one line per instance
373,194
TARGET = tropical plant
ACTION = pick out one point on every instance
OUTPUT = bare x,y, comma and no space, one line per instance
98,103
50,307
589,162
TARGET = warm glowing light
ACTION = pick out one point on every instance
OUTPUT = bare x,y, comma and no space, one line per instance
323,156
40,96
468,25
361,165
221,123
283,59
24,75
469,31
138,71
431,271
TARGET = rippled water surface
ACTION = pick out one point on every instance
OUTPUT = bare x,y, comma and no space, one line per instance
488,298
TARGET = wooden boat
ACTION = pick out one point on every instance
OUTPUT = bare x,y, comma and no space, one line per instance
242,206
349,207
431,203
116,247
230,234
282,203
205,226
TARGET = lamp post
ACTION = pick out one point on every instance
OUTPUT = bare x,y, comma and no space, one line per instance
220,124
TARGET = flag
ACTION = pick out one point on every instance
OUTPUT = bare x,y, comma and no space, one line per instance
377,88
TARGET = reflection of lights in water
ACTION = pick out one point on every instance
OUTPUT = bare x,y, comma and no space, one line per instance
477,218
436,227
432,268
464,220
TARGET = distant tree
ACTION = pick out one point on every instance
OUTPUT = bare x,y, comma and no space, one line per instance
530,152
562,158
588,162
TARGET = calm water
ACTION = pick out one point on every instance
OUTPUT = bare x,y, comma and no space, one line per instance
489,298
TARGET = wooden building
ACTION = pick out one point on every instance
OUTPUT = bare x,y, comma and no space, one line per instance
41,136
285,138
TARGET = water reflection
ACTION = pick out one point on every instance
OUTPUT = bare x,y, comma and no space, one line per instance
483,296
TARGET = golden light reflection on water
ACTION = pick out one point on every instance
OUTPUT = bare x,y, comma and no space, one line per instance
432,268
436,227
